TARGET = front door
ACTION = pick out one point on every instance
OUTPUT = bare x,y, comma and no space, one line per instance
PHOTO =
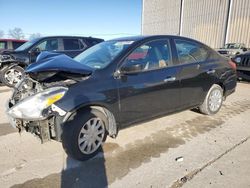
50,45
153,90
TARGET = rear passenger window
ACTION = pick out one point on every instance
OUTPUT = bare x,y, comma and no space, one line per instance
72,44
190,52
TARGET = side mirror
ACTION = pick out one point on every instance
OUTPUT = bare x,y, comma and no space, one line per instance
132,66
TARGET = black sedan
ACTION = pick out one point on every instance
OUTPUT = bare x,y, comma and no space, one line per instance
118,83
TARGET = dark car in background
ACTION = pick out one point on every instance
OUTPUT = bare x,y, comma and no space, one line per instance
117,83
13,63
10,44
243,66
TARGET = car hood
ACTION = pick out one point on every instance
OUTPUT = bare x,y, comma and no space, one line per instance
6,51
9,52
52,64
226,49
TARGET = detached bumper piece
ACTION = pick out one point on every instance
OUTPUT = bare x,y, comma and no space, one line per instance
44,131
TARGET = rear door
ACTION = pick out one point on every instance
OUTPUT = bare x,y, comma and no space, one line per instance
197,71
73,46
153,90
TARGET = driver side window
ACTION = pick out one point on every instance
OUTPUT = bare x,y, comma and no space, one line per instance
48,45
152,55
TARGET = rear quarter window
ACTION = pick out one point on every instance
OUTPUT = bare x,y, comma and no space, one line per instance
93,42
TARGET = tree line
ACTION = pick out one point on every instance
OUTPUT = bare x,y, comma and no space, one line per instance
17,33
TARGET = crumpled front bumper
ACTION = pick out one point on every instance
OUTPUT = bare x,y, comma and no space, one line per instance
40,128
46,129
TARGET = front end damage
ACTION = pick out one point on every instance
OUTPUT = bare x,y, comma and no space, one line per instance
31,106
41,120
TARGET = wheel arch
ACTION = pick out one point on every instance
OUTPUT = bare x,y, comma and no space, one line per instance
111,126
13,64
222,86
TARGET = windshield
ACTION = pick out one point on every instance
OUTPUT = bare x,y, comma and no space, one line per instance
26,45
101,55
232,46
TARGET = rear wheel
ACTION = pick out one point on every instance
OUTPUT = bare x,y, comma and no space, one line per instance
11,76
84,133
213,100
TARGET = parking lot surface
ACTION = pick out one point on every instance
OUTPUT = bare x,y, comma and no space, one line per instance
186,149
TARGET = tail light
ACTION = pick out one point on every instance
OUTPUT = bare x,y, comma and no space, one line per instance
232,64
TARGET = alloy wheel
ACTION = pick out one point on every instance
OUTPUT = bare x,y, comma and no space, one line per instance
13,76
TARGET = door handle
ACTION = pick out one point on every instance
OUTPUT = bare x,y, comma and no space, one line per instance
211,71
170,79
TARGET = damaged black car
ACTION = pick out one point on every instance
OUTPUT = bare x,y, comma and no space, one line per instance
117,83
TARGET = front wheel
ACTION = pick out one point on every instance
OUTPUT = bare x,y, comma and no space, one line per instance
11,76
84,133
213,100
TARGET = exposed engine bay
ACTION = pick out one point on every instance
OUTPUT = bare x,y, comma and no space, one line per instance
45,129
31,106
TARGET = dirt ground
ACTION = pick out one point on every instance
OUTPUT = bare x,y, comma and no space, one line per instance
185,149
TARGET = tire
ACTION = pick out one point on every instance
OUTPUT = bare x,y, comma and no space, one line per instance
11,76
76,136
210,106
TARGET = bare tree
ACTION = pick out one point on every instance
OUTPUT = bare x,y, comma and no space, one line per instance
35,35
16,33
1,33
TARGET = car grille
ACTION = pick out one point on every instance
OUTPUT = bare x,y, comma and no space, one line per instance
245,62
223,52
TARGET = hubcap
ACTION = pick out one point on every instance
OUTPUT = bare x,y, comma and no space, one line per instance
13,76
215,100
91,135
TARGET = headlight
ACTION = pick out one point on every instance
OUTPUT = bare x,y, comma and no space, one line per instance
32,107
233,53
237,59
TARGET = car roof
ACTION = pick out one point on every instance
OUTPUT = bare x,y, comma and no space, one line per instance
13,40
143,37
64,36
140,38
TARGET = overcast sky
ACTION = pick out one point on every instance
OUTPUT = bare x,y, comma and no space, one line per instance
101,18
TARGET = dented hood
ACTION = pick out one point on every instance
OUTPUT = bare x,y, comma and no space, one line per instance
53,67
54,62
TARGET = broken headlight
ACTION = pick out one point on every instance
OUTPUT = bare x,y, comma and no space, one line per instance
31,108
